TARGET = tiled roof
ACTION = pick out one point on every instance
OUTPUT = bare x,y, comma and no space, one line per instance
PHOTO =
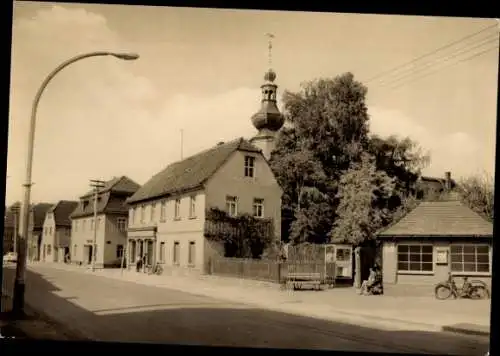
39,210
441,218
62,211
121,184
111,199
192,172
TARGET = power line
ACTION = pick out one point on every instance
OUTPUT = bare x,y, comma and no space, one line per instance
430,53
478,54
438,61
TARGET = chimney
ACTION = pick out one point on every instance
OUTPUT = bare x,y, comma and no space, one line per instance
447,181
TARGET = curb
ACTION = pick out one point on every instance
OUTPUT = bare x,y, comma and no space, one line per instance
459,329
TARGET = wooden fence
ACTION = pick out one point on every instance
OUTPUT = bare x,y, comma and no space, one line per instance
267,270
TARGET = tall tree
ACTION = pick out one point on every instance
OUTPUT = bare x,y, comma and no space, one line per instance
331,119
328,123
478,193
360,189
403,160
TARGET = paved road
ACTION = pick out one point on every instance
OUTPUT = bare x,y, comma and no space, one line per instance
106,309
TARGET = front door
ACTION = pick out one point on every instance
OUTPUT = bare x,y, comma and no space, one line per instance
88,248
150,253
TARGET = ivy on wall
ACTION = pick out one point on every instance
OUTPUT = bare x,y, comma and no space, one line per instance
243,236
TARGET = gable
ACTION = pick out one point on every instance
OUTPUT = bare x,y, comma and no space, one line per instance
234,169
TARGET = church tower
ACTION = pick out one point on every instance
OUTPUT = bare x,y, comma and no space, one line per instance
268,120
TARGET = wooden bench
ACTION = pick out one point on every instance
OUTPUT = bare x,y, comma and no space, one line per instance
297,280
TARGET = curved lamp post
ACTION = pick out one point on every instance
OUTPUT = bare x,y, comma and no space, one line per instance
19,283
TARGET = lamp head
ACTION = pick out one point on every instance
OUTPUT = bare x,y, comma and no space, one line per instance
126,56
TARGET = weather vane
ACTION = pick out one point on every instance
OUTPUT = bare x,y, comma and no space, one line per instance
270,37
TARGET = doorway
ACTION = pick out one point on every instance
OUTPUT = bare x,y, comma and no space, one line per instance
88,253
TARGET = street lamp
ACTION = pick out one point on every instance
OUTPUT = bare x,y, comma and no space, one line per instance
19,283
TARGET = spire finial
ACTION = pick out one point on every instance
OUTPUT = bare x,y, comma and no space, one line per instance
270,37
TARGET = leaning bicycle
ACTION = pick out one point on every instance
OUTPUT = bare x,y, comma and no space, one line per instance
156,269
475,289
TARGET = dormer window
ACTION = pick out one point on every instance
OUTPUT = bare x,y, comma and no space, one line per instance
249,166
85,204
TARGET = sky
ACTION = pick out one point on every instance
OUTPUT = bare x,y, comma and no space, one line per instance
200,71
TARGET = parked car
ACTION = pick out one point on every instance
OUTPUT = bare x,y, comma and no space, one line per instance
10,257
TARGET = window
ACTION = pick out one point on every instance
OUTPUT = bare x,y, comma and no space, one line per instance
153,212
177,208
415,258
119,251
92,224
258,208
191,253
176,252
470,258
162,252
192,206
163,211
232,205
76,226
83,225
121,224
143,213
74,250
49,249
85,204
131,215
343,254
249,166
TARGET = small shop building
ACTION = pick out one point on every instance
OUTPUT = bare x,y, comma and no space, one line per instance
435,238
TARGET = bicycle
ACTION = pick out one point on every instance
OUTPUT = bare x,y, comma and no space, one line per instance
156,269
470,289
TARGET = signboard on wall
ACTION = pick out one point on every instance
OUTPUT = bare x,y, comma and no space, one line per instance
441,256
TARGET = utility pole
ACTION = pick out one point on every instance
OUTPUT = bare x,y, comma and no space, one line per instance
15,210
96,184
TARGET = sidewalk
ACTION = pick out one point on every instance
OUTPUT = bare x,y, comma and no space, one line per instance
341,304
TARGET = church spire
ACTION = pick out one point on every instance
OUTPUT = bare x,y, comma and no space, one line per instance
268,120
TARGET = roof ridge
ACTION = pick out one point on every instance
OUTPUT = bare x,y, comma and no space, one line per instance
203,152
117,180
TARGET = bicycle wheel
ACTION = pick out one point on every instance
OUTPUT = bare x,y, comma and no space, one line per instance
442,292
159,269
479,292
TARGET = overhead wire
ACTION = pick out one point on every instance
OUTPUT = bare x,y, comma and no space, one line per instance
493,37
439,60
478,54
425,55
